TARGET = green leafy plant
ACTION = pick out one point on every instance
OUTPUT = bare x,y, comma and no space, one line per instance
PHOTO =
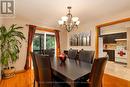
10,43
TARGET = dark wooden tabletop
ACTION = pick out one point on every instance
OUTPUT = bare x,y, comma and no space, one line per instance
71,69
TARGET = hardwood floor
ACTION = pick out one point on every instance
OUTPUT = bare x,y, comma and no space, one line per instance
111,81
25,79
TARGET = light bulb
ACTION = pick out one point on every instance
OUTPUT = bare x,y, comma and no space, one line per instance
77,23
60,22
74,19
64,18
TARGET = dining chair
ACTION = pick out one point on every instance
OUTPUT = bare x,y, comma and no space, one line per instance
96,74
86,56
72,53
36,73
44,70
50,52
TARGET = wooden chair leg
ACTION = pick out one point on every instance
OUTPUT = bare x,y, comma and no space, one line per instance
34,83
101,84
39,85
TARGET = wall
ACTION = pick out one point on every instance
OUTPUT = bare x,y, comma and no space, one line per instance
63,39
90,26
128,47
116,28
19,65
101,47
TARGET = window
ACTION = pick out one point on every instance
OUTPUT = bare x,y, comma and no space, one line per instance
43,41
50,41
38,43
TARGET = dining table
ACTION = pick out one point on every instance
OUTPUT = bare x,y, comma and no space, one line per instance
70,70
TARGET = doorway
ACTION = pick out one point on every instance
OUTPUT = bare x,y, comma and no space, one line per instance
99,38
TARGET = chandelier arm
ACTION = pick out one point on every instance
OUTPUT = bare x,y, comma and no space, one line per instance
69,28
66,27
73,26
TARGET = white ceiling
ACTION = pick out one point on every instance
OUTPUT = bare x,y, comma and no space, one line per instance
48,12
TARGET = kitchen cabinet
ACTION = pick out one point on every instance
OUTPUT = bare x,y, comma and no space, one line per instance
110,38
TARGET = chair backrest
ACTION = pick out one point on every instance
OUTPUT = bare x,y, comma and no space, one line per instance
86,56
72,53
44,69
50,52
36,73
97,72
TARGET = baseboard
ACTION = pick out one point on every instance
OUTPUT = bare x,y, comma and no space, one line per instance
120,62
20,71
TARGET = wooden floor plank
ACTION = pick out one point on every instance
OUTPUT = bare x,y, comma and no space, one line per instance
111,81
25,79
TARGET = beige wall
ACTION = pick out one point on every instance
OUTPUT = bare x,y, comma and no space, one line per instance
22,22
63,39
116,28
128,47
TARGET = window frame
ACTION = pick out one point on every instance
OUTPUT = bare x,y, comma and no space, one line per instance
45,35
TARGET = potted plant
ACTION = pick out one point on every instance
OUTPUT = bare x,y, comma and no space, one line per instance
10,44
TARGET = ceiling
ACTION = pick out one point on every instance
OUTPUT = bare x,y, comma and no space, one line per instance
48,12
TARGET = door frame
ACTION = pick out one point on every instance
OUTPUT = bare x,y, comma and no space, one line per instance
98,27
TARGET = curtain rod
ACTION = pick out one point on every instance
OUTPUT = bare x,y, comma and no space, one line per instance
42,27
30,24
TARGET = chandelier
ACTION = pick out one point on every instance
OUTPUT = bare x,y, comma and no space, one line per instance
69,22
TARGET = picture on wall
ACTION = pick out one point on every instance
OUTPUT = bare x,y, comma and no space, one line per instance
81,39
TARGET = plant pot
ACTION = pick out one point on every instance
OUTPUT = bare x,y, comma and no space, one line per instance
8,73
